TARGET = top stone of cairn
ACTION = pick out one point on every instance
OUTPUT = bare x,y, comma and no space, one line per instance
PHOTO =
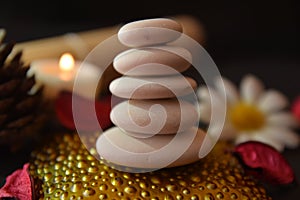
149,32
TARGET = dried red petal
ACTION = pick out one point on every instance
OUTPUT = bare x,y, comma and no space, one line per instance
265,162
296,108
64,113
18,185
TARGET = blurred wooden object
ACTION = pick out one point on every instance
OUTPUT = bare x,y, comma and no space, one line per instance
81,43
192,27
54,47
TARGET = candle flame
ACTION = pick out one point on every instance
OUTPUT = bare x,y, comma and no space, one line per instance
66,62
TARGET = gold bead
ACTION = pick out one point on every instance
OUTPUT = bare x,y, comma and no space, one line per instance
194,197
86,178
183,183
79,157
70,157
155,180
60,158
143,185
145,194
64,196
88,192
211,186
233,196
81,164
186,191
171,188
57,166
225,189
58,179
57,193
195,178
47,177
92,169
114,190
219,195
103,196
168,197
50,190
76,187
103,187
208,196
66,187
130,190
231,179
201,188
117,181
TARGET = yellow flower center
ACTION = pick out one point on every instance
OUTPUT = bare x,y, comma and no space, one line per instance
246,117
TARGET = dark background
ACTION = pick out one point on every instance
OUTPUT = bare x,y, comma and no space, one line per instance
261,26
259,37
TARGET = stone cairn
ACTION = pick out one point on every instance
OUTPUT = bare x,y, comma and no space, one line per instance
153,112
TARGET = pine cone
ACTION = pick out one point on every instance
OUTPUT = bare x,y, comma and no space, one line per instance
21,116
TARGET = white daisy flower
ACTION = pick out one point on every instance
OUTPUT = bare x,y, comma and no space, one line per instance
253,114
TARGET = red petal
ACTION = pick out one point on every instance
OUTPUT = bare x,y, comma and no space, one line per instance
296,108
63,109
265,162
18,185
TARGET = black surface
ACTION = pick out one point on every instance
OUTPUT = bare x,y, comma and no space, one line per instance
259,37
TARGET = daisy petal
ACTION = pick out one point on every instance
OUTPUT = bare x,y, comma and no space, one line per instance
243,137
283,135
212,107
203,93
285,119
251,89
268,139
205,112
272,101
230,90
259,137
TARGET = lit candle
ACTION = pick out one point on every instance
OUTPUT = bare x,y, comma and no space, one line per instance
59,75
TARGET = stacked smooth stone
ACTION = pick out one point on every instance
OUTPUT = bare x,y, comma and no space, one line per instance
153,113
